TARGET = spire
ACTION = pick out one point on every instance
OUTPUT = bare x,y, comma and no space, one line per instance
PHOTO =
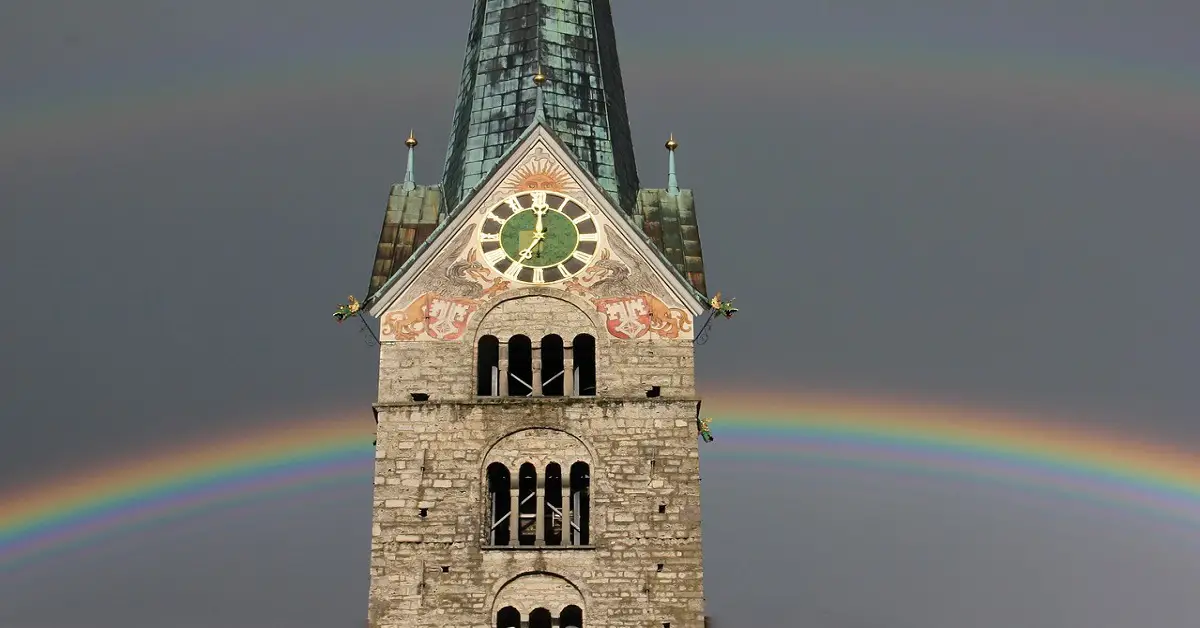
672,182
572,43
540,107
411,143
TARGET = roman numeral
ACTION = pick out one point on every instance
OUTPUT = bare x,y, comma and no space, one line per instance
493,257
589,237
563,270
512,271
538,275
581,219
581,256
539,199
493,218
514,204
491,237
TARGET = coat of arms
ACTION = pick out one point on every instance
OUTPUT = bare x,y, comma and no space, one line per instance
627,317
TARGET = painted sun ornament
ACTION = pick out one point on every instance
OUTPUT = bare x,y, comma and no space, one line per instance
347,310
702,426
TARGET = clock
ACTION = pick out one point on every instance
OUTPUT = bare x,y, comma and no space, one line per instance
538,237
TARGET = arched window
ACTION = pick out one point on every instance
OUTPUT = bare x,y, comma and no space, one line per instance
580,503
571,617
584,354
488,372
552,366
554,501
527,510
499,489
520,366
508,617
540,618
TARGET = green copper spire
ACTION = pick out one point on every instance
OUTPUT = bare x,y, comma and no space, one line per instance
569,43
672,181
410,183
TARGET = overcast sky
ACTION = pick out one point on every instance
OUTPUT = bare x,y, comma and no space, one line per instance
987,203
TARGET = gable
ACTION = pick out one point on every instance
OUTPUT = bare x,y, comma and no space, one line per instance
628,281
415,216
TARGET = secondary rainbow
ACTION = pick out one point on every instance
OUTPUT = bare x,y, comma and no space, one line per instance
1045,456
1098,86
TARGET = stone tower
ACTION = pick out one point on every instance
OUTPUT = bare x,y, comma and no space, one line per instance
537,456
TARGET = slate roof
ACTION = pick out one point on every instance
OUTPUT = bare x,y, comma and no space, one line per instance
669,220
574,44
410,217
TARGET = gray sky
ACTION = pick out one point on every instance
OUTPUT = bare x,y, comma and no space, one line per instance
988,203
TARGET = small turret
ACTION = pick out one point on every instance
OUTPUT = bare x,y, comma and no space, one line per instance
409,183
672,181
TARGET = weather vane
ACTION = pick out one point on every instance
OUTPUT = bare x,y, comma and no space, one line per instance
353,308
717,307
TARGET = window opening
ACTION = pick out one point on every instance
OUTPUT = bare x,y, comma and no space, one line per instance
540,618
571,617
520,366
501,504
552,366
584,353
527,509
580,503
554,498
508,617
488,372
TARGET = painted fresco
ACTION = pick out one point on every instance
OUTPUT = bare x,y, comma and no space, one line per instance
430,316
642,315
539,171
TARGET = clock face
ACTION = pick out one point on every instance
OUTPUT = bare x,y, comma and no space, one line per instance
538,237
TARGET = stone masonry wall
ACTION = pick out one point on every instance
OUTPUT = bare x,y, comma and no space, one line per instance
433,570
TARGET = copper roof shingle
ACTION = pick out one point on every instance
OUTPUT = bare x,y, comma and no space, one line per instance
410,217
669,220
574,45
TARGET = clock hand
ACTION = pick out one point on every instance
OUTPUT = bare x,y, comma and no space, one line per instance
538,236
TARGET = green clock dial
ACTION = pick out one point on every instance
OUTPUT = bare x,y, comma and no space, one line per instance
538,237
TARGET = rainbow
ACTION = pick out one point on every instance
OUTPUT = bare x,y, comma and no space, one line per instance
984,446
1102,88
71,511
1052,457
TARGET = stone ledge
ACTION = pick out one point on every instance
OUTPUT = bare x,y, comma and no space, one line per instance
536,548
500,401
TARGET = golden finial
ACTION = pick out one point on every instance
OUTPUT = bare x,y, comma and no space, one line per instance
671,143
539,78
411,141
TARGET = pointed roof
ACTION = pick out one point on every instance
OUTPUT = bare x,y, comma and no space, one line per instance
574,44
581,102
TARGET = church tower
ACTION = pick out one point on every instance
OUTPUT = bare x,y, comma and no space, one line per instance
537,458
